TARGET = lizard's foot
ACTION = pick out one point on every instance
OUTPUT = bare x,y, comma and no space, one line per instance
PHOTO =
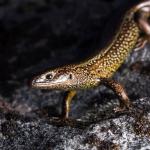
119,109
123,108
67,122
60,121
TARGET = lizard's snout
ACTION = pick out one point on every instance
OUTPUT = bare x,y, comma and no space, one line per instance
36,81
33,82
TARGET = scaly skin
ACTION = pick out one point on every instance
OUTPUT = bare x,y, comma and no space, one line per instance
98,69
103,65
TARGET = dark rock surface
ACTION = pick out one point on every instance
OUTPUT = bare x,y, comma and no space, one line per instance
111,131
36,35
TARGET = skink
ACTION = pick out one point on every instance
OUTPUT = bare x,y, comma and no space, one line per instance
100,68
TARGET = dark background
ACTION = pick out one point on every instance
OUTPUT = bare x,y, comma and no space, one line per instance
40,34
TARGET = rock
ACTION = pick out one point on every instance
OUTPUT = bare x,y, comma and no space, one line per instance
119,131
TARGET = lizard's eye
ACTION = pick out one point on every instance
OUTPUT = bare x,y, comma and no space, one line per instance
49,76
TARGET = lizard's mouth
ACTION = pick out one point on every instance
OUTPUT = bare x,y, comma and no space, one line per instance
38,82
42,85
46,84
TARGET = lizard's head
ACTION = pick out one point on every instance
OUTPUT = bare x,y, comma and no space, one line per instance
67,77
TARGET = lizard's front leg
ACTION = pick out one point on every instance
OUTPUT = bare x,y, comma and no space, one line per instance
66,104
119,90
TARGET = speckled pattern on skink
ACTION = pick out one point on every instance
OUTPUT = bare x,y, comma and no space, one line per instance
103,65
99,69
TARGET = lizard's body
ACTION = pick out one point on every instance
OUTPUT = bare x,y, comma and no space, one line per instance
98,69
105,64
